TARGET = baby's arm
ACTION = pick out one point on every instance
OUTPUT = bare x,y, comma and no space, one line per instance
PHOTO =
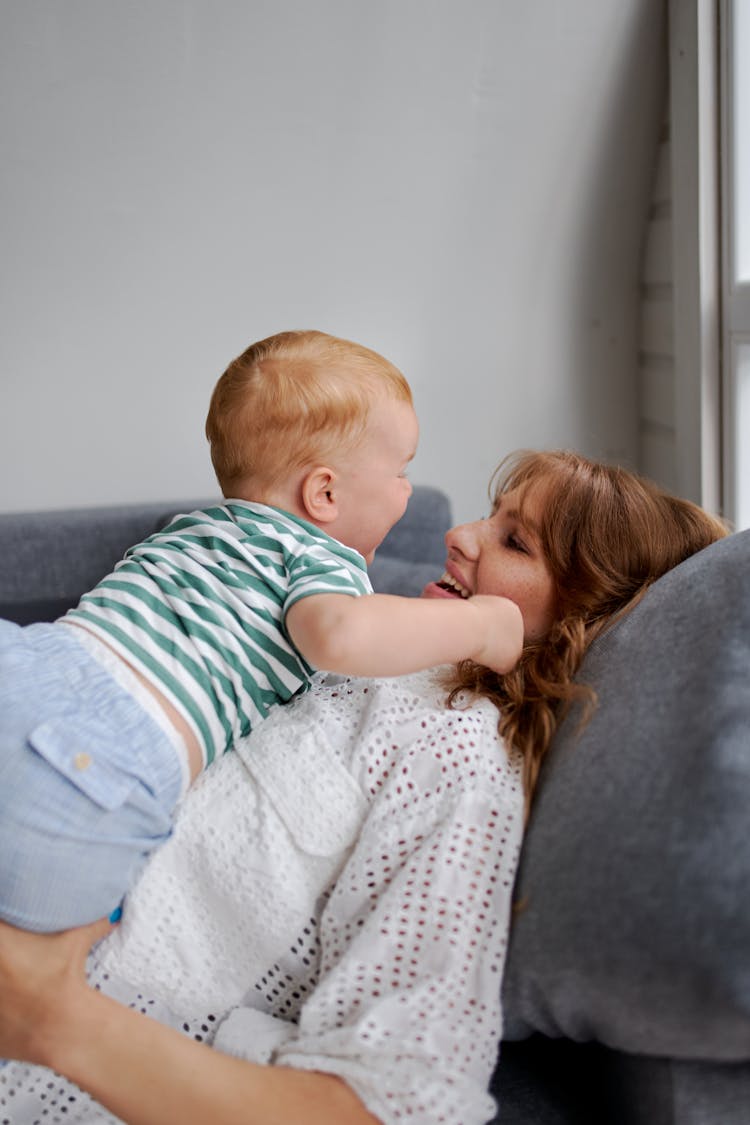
386,635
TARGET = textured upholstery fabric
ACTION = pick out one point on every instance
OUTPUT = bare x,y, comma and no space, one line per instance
635,871
48,559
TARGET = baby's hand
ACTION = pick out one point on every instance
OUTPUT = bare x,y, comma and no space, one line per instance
503,632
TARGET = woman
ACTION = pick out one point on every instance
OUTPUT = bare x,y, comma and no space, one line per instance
395,821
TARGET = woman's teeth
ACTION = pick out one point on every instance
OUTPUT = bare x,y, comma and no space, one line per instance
450,583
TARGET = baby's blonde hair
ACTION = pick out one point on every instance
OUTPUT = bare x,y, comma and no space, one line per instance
293,399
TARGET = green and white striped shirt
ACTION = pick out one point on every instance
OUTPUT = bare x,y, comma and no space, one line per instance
199,610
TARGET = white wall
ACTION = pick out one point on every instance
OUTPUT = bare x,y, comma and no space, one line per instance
461,184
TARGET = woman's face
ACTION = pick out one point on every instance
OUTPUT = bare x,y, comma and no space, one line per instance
501,555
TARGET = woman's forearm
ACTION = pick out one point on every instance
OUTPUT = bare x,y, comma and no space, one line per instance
141,1070
147,1073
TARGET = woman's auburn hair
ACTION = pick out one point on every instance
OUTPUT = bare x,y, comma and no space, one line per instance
291,399
607,534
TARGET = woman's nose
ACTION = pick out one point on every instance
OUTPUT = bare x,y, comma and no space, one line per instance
464,538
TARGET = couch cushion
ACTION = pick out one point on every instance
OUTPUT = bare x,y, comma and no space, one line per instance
50,558
633,924
557,1082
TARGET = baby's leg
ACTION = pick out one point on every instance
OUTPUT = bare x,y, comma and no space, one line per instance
88,782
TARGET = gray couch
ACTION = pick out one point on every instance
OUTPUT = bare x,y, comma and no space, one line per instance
627,990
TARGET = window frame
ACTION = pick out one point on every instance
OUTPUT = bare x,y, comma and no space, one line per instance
734,21
696,251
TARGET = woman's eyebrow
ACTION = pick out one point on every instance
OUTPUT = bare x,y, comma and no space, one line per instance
509,513
531,527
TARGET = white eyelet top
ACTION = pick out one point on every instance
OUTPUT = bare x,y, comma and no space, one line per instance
336,896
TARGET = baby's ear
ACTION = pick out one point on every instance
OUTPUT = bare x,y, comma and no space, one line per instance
319,495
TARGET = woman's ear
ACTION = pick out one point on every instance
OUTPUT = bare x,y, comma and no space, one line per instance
319,496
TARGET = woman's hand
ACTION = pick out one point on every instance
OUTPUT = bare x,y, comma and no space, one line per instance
41,975
133,1065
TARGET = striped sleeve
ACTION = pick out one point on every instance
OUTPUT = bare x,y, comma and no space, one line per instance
198,609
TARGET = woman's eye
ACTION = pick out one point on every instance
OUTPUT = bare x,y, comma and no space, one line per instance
516,544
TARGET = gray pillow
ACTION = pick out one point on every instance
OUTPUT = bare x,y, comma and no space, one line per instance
633,923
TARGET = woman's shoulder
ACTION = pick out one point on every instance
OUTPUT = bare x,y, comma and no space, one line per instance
404,739
381,729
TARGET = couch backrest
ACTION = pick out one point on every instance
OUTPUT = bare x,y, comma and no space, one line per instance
49,558
635,870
